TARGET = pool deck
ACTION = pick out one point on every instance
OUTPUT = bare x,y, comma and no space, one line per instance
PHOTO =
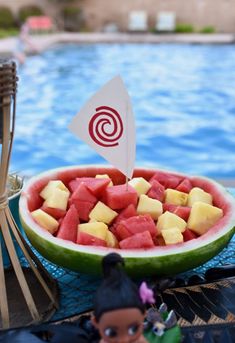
43,42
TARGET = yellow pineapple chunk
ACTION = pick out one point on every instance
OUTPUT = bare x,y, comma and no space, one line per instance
96,229
203,216
92,221
172,236
175,197
45,220
111,240
140,185
170,220
49,188
198,194
102,213
57,199
104,176
149,206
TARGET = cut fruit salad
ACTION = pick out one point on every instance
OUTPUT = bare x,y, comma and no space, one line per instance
164,210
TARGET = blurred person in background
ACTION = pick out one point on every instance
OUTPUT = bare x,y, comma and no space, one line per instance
24,44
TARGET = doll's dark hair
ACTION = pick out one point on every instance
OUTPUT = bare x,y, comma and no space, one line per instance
117,291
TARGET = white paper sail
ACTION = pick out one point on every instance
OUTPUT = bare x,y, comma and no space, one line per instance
106,123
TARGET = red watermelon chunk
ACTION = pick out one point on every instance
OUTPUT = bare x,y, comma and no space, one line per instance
184,186
119,196
69,225
84,208
83,193
73,185
60,221
156,191
56,213
138,224
96,186
129,211
181,211
83,200
188,235
166,179
159,241
137,241
35,201
87,239
121,232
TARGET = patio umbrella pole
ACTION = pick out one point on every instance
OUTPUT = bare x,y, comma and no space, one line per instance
8,227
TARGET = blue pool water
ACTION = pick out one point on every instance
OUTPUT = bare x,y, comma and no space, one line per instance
183,98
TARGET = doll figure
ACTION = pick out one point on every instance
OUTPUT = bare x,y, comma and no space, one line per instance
118,308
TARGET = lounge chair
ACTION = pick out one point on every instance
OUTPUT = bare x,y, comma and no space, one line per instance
40,24
138,21
110,28
165,22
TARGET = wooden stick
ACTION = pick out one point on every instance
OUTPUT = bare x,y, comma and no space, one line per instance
5,145
126,183
30,252
17,267
3,295
15,232
3,180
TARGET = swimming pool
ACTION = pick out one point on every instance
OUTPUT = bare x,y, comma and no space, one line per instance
183,98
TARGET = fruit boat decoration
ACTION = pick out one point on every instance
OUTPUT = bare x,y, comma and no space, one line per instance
162,223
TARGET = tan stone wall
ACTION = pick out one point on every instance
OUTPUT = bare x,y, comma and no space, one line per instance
200,13
47,6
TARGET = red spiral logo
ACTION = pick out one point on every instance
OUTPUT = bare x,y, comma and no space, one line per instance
106,127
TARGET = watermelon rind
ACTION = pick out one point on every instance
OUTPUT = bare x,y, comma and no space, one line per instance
164,261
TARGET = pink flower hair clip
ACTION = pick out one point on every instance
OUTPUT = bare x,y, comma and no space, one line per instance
146,294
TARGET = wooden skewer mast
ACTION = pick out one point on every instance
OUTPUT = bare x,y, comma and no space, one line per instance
8,226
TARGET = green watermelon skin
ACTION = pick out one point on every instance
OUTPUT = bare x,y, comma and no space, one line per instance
135,266
162,261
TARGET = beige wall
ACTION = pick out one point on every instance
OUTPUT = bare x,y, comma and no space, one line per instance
46,5
218,13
